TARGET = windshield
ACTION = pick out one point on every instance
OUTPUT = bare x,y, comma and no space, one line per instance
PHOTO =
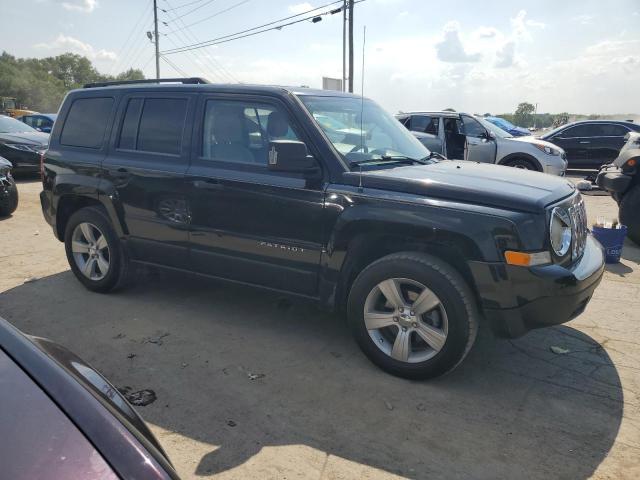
361,130
493,128
501,122
11,125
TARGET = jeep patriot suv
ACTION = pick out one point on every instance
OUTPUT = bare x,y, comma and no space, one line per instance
318,194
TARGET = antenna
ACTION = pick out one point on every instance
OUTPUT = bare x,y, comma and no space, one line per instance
364,41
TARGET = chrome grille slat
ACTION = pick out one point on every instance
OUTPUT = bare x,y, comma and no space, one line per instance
578,215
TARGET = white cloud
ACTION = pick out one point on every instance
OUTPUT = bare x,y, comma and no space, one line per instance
486,32
520,25
300,8
86,6
451,49
64,43
505,57
583,19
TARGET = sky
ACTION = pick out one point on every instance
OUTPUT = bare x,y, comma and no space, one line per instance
575,56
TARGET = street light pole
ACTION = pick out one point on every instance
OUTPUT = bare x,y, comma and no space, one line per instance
157,42
351,46
344,45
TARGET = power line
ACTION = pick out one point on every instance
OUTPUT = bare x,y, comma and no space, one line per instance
194,9
181,6
175,67
252,31
127,48
213,64
220,12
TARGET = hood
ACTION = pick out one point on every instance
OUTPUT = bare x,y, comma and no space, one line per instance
478,183
31,138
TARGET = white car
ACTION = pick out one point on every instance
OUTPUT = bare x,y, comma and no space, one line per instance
470,137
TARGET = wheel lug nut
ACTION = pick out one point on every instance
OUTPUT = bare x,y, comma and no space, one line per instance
401,310
414,324
412,313
396,319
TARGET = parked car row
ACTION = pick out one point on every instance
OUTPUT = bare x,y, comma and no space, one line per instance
583,144
470,137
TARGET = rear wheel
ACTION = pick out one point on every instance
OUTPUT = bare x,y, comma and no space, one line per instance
412,315
9,202
630,213
94,251
521,163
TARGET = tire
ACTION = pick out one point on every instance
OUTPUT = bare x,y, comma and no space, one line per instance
521,163
630,213
451,326
105,247
9,204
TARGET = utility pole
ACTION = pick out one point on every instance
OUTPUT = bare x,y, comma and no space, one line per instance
157,42
344,45
350,46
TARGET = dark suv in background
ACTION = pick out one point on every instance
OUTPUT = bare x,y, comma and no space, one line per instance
591,143
318,194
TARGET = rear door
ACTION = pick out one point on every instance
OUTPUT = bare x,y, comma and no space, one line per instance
145,171
250,224
480,148
606,141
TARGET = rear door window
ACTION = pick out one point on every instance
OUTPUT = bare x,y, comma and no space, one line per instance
154,125
86,122
612,130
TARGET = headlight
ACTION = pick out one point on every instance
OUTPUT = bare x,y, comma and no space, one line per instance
560,231
24,147
547,149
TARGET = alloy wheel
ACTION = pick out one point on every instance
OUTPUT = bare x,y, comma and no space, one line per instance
90,251
406,320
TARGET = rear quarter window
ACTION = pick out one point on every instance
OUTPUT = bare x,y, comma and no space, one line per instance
86,122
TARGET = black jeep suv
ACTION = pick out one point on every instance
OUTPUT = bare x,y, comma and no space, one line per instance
322,195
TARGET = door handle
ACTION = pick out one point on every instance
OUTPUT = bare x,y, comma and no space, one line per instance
208,184
586,142
121,173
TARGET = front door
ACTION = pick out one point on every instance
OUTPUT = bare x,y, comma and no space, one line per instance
145,170
575,141
480,147
249,224
606,143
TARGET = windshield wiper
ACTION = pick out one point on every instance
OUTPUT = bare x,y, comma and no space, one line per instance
392,159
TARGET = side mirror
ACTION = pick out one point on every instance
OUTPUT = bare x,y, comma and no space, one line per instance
291,156
489,135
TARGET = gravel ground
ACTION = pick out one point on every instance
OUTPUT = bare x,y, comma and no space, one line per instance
253,386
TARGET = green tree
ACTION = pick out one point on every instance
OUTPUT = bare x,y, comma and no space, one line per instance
40,84
524,114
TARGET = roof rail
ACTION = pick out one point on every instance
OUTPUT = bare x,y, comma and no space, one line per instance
187,81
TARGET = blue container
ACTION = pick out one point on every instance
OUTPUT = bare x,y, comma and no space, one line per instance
612,240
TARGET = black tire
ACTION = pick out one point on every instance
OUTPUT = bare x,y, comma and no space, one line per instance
630,213
9,204
521,163
118,270
445,282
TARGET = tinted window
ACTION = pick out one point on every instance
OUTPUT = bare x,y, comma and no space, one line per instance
86,122
240,132
161,125
424,124
129,133
612,130
577,131
473,128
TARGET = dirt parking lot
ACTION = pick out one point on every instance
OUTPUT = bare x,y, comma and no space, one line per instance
253,386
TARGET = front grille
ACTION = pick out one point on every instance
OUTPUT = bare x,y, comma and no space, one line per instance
578,215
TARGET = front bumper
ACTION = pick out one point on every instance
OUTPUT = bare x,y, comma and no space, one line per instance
516,299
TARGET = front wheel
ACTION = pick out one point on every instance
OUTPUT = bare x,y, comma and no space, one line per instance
630,213
413,315
521,163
